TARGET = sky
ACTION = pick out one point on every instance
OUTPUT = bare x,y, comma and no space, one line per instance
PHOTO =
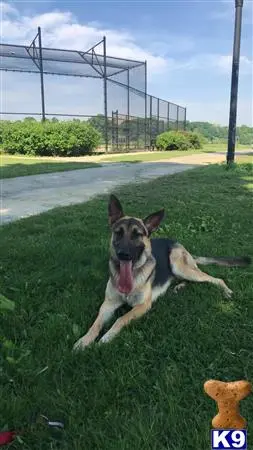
187,44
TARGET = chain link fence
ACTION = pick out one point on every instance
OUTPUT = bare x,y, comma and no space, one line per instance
108,92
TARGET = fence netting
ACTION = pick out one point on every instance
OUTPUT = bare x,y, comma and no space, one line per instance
108,92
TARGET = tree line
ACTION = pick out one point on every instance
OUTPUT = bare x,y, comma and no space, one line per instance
218,133
211,132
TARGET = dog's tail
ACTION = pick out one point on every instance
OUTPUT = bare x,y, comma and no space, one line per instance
241,261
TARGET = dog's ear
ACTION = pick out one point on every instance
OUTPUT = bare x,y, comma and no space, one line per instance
115,210
153,221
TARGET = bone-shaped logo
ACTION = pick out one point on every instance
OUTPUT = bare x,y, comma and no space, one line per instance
228,396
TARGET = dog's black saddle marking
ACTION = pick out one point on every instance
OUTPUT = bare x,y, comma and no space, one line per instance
161,249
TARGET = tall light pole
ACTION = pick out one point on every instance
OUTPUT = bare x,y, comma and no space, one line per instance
234,82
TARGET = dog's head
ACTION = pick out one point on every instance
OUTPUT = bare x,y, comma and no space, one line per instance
130,243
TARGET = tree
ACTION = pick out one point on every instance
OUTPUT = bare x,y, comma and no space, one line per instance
218,133
29,119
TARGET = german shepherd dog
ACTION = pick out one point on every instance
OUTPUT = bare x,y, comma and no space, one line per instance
141,269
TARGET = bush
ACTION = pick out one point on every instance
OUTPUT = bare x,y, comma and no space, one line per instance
172,140
178,140
50,138
195,139
3,124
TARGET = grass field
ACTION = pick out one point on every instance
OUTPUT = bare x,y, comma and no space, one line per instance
19,166
156,156
144,390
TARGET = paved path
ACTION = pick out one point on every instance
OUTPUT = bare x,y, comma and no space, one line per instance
26,196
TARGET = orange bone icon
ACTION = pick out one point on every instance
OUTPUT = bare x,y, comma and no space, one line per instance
228,396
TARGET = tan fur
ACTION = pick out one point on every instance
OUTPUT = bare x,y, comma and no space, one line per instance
122,223
137,311
147,244
108,307
185,267
140,302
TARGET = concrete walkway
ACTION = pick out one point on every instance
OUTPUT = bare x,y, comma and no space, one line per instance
26,196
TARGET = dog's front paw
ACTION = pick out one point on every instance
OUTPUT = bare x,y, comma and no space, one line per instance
82,343
106,338
228,293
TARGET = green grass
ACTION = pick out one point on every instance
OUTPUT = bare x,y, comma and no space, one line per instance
144,390
159,155
19,166
244,159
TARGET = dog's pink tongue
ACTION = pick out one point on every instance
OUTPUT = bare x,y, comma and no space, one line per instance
125,277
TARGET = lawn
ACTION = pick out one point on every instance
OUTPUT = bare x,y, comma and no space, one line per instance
19,166
160,155
144,390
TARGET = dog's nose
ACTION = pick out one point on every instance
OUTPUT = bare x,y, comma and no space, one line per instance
124,255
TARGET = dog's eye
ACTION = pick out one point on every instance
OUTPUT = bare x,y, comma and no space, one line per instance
118,233
136,234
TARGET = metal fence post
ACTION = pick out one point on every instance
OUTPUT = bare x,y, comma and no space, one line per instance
113,131
177,118
151,122
158,117
145,106
138,131
128,111
117,129
168,116
234,82
105,95
41,77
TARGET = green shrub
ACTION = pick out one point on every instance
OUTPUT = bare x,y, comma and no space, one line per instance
172,140
178,140
195,139
50,138
3,125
